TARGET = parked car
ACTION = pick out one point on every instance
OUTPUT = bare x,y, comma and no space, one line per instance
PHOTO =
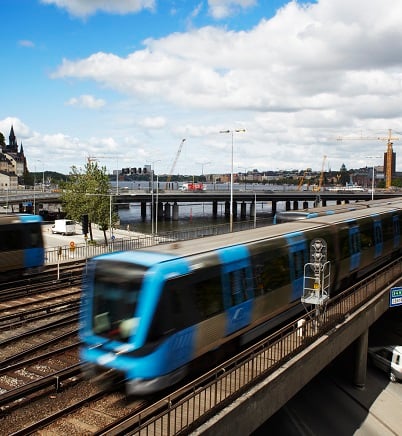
387,358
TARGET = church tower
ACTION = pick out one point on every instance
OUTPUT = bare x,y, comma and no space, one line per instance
12,146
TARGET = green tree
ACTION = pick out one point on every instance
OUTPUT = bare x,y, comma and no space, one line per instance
2,141
88,192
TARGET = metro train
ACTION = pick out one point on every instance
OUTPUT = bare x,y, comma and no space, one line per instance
21,245
149,315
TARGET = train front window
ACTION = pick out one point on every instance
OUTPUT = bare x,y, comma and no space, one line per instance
116,289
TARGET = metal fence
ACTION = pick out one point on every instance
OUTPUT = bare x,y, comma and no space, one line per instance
68,253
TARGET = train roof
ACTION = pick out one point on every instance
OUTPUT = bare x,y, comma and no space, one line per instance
20,218
254,235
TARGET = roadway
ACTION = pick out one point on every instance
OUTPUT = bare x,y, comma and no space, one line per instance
131,196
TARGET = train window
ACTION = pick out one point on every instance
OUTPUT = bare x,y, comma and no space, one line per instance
33,235
10,238
366,235
116,289
208,293
270,272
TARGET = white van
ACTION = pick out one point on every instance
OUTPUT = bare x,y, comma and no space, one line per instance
64,227
389,359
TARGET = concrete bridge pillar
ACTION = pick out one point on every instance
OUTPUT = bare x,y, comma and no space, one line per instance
274,207
143,209
214,209
175,211
287,205
252,208
324,202
305,204
295,205
159,210
168,211
227,209
234,209
361,361
243,211
338,201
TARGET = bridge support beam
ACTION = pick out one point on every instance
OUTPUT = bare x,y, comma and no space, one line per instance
214,209
295,205
168,211
273,208
305,204
252,208
287,205
243,210
360,373
143,209
159,210
175,212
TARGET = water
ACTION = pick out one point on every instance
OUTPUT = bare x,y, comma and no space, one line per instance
190,216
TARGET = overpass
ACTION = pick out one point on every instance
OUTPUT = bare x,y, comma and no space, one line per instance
170,199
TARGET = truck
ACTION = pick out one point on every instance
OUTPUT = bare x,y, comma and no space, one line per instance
199,187
64,227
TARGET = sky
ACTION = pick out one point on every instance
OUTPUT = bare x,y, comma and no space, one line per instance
125,81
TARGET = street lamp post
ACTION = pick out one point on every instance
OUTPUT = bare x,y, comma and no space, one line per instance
372,181
232,132
152,195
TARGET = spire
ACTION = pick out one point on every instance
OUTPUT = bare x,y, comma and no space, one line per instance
12,146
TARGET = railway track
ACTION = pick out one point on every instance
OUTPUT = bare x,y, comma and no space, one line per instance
52,278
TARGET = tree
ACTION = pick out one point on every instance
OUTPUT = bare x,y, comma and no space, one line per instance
88,192
2,141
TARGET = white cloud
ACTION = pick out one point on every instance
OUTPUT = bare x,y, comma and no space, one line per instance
26,43
84,8
295,82
222,8
153,122
86,101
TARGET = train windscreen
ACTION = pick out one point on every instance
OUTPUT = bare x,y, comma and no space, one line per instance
116,288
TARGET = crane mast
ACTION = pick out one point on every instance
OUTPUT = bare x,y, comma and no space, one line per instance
175,161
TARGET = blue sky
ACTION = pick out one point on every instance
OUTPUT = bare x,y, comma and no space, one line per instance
126,80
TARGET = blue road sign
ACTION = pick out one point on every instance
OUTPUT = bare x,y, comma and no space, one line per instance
395,297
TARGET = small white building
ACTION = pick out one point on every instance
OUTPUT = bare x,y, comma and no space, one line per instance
8,182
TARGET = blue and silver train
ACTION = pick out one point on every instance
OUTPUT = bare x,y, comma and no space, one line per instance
21,245
149,315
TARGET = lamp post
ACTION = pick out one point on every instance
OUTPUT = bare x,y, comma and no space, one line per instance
202,167
152,195
372,181
232,132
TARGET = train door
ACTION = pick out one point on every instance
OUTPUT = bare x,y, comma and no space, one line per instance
354,246
378,239
298,257
396,231
237,285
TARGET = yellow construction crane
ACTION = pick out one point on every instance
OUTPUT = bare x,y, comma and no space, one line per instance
389,139
301,180
318,188
175,161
